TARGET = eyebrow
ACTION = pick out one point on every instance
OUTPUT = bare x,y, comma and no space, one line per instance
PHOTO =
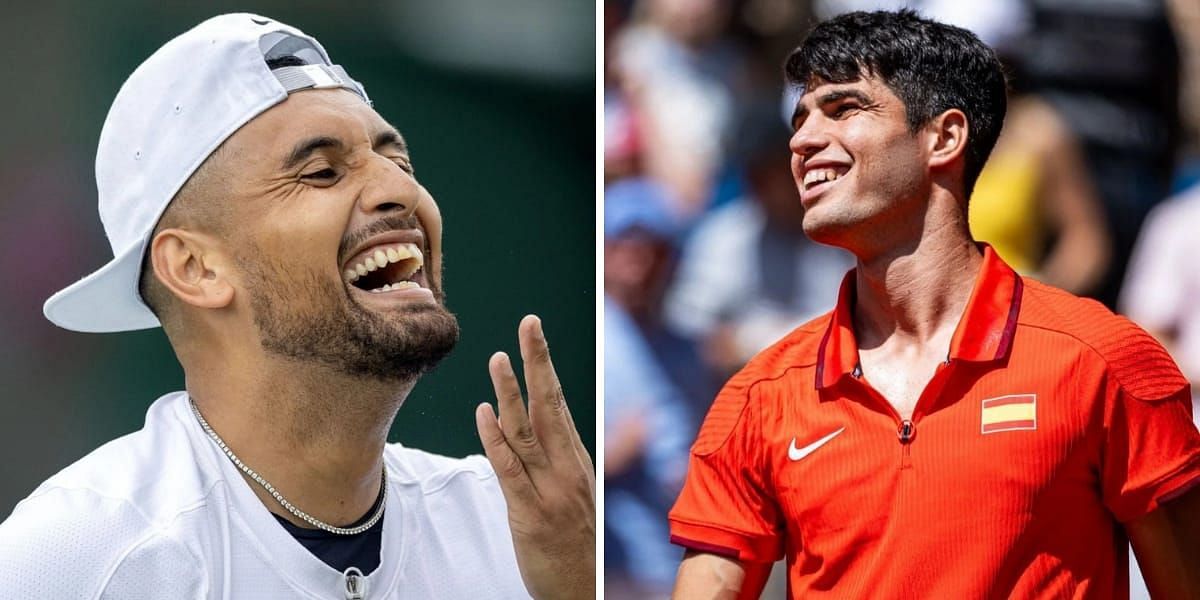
391,137
306,148
829,98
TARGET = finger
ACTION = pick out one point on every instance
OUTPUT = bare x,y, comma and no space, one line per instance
547,404
539,373
514,421
510,471
579,452
577,443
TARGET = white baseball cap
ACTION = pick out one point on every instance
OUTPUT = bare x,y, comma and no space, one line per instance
172,113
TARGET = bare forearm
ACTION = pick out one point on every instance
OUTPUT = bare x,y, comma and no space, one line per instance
1167,544
710,577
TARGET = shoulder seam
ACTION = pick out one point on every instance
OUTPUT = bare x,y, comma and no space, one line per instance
1117,372
1081,341
125,501
746,406
447,478
445,475
153,531
1107,364
777,376
116,565
778,372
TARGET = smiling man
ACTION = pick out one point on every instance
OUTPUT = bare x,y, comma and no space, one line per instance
951,429
270,220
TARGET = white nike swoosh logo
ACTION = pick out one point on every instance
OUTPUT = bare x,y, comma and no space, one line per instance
795,453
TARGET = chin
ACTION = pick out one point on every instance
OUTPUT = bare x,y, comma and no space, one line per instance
829,232
398,344
402,344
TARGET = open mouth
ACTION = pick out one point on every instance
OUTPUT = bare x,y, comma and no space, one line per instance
386,268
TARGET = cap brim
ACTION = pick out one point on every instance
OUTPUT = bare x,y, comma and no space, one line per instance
106,300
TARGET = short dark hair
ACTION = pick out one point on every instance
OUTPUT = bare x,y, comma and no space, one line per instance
199,203
286,60
932,67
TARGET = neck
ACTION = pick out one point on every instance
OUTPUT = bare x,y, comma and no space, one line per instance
917,292
314,434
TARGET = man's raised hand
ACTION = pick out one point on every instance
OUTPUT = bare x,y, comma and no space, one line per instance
546,474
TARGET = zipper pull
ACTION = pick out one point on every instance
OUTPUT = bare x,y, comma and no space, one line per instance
355,584
906,431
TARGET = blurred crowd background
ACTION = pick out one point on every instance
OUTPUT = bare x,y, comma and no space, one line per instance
497,102
1092,188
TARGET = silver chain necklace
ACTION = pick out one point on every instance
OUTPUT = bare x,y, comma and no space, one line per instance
279,497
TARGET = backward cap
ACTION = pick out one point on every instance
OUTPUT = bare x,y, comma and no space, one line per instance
172,112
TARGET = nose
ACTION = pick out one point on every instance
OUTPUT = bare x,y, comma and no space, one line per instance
389,188
810,138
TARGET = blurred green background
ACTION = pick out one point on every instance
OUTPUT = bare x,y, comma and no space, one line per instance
497,102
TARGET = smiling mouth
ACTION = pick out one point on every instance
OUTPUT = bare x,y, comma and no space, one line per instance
386,268
815,177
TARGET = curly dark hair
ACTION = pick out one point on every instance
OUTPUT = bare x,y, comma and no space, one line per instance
932,67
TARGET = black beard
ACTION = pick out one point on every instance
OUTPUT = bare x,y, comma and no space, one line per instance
310,321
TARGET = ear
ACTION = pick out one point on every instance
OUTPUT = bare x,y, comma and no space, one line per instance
188,265
948,138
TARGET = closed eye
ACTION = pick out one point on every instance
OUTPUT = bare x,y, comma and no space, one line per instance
323,174
404,165
842,109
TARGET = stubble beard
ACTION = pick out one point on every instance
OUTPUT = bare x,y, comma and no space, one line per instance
314,322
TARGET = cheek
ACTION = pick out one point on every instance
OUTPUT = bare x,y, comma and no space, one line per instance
308,234
286,286
289,262
890,164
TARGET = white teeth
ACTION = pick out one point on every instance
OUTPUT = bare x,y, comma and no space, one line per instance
382,257
399,285
820,175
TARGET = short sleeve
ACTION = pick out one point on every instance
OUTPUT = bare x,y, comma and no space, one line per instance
1151,453
727,505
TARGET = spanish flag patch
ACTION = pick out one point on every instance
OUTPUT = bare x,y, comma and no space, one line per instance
1009,413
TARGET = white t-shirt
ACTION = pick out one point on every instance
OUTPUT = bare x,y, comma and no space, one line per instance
163,514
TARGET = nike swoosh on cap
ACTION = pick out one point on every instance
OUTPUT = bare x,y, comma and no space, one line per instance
795,453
